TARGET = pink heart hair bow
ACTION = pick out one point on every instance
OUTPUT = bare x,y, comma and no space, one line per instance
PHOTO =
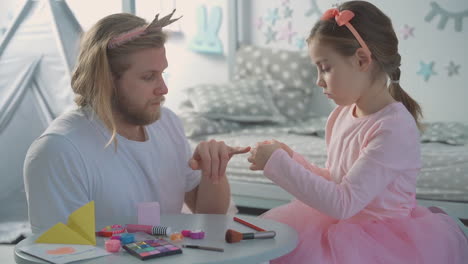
343,18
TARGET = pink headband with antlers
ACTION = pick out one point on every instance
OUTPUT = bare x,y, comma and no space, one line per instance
126,37
343,18
156,25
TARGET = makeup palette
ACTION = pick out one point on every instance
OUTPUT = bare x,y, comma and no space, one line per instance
152,249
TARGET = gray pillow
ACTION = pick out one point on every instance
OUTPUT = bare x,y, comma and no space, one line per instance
295,104
293,68
196,125
314,127
452,133
248,100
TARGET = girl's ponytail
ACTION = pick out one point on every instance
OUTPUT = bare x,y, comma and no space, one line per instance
400,95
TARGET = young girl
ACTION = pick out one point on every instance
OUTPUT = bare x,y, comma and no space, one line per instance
360,208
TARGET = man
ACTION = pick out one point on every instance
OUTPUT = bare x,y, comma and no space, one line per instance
120,147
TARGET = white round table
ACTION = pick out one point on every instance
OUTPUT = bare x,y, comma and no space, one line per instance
215,226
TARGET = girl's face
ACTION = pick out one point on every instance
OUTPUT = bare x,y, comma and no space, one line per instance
341,78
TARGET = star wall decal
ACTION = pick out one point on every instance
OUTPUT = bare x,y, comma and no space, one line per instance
426,70
287,33
300,43
336,4
270,35
287,13
407,31
259,23
272,16
166,76
314,9
452,69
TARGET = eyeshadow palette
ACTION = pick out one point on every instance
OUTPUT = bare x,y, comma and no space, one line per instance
152,249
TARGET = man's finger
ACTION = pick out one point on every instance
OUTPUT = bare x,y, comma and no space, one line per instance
214,154
223,160
193,164
238,150
204,160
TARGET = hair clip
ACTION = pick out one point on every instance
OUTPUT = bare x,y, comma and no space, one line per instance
343,18
155,25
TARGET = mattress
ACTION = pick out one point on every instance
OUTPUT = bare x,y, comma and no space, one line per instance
444,175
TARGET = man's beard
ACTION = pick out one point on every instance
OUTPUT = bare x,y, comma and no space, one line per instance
134,114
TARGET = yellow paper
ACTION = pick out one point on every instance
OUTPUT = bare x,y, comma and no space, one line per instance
80,228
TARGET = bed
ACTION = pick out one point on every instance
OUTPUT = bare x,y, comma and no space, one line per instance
443,180
268,100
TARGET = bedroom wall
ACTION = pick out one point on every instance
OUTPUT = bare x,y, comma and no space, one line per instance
8,9
424,41
187,67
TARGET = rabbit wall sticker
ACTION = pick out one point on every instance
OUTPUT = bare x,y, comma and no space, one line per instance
206,40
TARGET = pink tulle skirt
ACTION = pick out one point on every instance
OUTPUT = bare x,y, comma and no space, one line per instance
422,237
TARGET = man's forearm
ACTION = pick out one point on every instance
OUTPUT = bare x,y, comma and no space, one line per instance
213,198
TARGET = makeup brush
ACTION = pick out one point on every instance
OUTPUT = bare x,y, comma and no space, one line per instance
232,236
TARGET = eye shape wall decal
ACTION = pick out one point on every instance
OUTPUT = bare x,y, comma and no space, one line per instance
445,16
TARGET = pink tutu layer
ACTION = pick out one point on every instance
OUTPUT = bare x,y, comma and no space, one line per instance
423,237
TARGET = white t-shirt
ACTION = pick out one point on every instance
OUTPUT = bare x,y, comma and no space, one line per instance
69,166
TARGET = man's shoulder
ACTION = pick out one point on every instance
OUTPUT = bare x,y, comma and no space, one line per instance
75,126
68,123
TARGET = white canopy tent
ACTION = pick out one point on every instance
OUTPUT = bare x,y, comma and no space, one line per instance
37,55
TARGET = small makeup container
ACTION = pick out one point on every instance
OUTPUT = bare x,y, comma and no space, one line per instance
176,237
186,233
149,229
112,245
197,234
127,238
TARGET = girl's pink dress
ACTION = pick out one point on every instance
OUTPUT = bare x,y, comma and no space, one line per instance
362,208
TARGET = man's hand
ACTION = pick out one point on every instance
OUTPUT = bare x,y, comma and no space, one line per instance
212,158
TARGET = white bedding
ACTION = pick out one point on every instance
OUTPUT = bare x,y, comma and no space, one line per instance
444,175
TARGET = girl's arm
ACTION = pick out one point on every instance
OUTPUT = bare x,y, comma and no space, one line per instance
311,167
301,160
392,151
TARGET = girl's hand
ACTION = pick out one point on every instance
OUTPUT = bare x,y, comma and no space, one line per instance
260,155
286,148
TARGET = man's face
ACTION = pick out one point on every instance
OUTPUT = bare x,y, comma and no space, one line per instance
140,90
